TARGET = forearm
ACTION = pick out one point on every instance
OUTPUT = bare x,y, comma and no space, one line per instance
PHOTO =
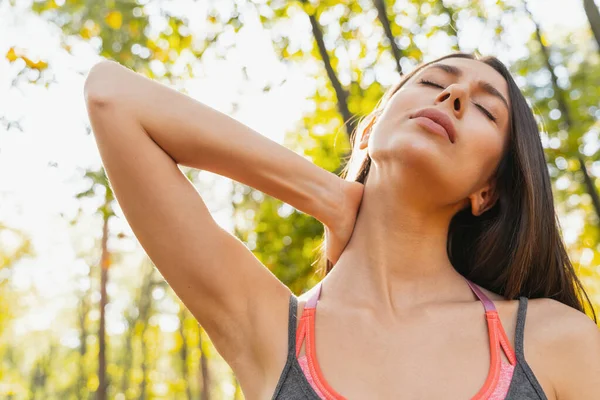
198,136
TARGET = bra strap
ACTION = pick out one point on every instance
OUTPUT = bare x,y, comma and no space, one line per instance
312,300
307,314
487,303
494,323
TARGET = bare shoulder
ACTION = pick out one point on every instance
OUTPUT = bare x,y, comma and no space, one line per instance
568,342
560,324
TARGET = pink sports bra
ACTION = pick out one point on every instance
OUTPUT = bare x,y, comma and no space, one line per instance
495,387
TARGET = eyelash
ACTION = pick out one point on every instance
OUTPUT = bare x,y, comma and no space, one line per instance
486,112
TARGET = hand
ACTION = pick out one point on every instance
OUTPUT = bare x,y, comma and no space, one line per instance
338,232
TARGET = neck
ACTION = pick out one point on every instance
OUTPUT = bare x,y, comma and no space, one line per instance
396,258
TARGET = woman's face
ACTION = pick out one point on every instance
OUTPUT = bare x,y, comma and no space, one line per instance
474,98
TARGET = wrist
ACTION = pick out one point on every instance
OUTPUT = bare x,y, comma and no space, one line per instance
331,201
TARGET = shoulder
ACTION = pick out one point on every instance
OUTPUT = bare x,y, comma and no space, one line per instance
561,324
569,342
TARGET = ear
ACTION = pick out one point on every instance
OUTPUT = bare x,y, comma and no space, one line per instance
484,199
364,138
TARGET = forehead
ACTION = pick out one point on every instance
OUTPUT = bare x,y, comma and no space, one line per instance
472,70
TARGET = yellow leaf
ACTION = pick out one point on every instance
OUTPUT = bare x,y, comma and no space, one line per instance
85,33
309,8
186,42
11,55
39,65
92,383
114,19
161,55
173,42
90,29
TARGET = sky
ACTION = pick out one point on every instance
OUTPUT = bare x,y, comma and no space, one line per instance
41,168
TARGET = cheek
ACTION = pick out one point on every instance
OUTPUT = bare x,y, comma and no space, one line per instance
397,111
480,154
405,101
490,148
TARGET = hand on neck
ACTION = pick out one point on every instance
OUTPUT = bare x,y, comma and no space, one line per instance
397,253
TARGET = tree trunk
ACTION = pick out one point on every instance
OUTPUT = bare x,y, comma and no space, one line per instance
104,265
564,109
593,16
84,309
183,353
340,92
145,307
204,371
127,359
385,22
132,319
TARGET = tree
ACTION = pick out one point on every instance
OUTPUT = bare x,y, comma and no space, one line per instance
593,15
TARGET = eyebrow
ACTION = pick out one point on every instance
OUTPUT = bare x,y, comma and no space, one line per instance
486,86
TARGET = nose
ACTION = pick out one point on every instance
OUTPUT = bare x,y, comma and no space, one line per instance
456,96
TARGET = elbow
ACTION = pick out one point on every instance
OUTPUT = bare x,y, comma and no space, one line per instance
97,87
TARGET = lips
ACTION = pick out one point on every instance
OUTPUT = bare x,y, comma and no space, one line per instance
440,119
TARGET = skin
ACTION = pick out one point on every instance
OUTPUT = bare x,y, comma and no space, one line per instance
393,311
417,182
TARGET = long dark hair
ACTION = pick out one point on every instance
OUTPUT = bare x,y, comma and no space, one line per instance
515,248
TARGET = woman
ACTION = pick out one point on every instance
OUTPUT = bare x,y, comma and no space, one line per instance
440,231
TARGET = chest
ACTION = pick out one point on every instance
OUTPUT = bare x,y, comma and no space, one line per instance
427,355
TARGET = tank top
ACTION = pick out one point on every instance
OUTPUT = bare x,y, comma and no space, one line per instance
302,379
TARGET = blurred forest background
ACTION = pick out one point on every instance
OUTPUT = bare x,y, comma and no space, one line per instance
83,312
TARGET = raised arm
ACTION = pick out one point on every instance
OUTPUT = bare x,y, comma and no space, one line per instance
143,129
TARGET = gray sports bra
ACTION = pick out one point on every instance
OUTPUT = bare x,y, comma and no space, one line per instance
294,385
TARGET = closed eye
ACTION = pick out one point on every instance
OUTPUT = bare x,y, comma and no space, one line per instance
483,109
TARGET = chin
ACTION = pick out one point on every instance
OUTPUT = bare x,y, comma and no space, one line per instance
418,163
413,148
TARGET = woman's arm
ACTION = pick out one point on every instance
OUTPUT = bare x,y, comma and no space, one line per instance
143,130
196,135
